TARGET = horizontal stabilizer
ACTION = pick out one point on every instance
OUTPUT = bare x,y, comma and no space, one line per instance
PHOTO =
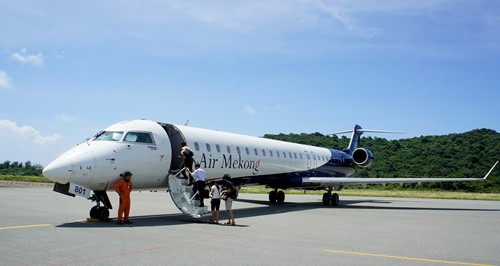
367,130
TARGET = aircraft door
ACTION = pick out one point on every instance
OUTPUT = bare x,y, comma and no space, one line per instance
176,138
181,191
314,160
308,158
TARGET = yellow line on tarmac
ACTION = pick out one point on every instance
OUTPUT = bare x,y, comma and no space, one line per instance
405,258
24,226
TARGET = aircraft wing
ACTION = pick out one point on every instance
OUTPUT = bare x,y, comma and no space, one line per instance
335,181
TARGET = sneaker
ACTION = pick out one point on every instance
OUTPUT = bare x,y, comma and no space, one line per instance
120,222
128,222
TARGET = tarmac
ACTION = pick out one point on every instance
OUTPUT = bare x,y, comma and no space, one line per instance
42,227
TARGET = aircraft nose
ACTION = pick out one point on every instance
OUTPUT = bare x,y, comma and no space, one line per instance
60,170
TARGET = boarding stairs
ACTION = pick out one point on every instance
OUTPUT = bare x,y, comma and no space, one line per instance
182,195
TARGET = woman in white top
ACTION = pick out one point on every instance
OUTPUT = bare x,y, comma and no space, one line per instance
215,201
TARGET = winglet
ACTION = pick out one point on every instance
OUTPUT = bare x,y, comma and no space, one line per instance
490,170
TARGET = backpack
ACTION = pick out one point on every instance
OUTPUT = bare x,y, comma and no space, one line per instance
232,194
188,152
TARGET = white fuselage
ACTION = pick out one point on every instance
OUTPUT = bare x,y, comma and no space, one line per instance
98,162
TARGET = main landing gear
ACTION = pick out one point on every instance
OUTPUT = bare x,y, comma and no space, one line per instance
276,196
98,211
329,198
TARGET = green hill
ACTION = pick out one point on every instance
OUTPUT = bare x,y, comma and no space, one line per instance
469,154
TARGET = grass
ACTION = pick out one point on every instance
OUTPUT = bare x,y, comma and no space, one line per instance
344,192
36,179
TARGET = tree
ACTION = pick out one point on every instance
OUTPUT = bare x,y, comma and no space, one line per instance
468,154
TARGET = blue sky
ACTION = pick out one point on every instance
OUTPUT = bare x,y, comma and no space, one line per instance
70,69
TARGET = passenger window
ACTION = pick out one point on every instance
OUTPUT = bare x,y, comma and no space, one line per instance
271,153
197,146
247,150
256,152
278,154
138,137
228,149
217,147
295,154
263,152
284,154
300,155
238,150
209,149
290,153
109,135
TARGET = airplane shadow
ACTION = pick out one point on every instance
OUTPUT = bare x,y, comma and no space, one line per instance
273,208
138,221
265,208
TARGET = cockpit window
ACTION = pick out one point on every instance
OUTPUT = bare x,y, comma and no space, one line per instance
141,137
109,135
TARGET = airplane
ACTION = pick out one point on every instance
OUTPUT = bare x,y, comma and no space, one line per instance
151,151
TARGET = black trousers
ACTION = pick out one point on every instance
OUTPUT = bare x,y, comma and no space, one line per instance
188,162
200,187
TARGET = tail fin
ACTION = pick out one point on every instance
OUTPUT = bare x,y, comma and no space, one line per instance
356,135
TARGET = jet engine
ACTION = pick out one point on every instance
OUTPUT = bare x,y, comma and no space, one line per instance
362,157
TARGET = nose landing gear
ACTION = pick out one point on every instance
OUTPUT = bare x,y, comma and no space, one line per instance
100,212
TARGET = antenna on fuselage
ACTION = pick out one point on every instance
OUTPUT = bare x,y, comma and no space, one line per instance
187,122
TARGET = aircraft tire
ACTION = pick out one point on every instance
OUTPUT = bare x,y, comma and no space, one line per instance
326,199
94,212
335,199
103,214
280,196
273,196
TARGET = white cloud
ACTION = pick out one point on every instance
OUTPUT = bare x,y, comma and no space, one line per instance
11,129
347,20
31,59
175,26
66,117
250,110
57,54
286,16
4,80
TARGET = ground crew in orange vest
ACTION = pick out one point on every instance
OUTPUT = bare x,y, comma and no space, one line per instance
123,188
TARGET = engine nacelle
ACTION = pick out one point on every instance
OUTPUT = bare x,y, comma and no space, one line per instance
362,157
